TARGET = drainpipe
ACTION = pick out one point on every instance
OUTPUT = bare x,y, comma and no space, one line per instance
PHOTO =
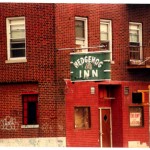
149,113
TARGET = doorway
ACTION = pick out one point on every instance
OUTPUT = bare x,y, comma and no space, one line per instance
105,127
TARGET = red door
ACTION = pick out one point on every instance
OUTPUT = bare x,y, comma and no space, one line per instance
105,128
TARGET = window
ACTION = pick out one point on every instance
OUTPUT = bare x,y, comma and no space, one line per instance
82,117
135,41
16,38
105,34
137,97
136,117
30,109
81,33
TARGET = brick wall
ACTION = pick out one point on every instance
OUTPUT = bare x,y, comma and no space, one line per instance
91,137
122,133
77,97
40,68
11,110
48,28
40,41
121,15
134,133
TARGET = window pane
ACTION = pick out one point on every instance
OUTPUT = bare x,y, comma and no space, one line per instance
17,27
134,52
134,27
17,34
82,117
32,113
17,21
134,33
17,53
17,48
134,38
104,32
79,28
17,45
104,28
17,31
137,97
104,36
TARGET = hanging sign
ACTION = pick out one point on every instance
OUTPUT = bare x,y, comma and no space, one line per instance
89,66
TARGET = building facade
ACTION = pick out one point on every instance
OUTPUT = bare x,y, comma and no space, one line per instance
74,75
105,107
28,87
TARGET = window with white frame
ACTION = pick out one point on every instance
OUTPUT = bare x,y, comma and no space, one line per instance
16,38
81,33
106,35
135,41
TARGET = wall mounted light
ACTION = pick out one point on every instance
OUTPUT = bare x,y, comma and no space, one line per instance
92,90
126,90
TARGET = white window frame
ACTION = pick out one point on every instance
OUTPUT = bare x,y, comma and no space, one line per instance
83,41
109,23
9,58
140,36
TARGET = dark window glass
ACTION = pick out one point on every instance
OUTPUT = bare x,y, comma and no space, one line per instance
30,109
32,113
137,97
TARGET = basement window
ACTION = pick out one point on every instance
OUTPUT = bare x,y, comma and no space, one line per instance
82,117
30,109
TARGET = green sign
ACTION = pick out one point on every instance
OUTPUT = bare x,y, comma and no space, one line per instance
90,66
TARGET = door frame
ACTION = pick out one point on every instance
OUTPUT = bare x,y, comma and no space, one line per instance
100,123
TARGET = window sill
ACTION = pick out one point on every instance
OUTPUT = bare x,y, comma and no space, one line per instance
112,62
30,126
16,61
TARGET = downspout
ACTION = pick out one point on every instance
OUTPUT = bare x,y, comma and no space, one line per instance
55,67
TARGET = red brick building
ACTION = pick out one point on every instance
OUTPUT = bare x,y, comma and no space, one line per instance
46,103
28,87
105,113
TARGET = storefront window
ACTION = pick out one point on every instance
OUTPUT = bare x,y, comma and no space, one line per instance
136,116
82,117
